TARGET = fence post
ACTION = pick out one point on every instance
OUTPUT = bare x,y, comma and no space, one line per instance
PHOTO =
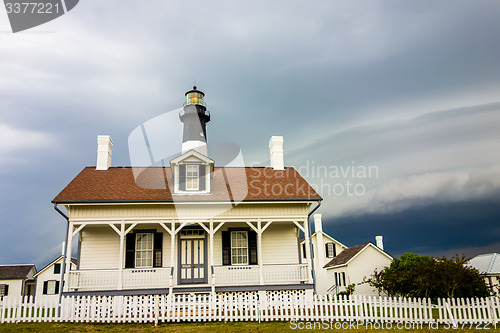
156,302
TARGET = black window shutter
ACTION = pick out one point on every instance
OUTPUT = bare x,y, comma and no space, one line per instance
6,290
57,287
304,251
182,177
326,250
343,277
130,251
252,247
202,182
226,248
57,268
45,285
158,245
334,250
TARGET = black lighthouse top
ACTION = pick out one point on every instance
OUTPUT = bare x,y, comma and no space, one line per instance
194,116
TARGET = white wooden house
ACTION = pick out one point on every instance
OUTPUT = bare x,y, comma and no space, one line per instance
48,278
336,266
17,280
190,227
488,266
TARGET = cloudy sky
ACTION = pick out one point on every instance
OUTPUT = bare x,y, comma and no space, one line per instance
406,89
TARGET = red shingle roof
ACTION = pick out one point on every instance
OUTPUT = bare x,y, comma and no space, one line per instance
129,184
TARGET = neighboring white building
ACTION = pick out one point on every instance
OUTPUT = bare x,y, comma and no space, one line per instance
489,266
17,280
336,266
48,278
355,264
190,227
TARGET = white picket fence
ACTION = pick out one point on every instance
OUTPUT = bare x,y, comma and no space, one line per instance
282,306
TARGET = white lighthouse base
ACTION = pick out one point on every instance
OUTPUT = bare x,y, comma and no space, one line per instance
199,146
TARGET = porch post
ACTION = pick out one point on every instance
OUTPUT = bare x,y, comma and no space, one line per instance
211,263
172,257
68,256
259,251
120,258
308,250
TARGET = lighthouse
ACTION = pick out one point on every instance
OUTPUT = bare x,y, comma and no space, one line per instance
194,117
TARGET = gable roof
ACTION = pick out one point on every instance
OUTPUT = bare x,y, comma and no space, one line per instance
152,184
192,152
344,257
302,240
73,260
486,263
15,272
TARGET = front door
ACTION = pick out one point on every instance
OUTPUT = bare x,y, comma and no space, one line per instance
192,258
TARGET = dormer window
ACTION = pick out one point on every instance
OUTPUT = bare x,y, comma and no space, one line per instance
192,177
191,173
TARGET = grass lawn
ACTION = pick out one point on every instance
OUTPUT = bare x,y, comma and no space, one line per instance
204,327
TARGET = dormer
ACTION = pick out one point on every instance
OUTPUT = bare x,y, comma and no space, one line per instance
190,171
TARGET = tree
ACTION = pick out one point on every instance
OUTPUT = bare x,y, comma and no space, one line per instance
421,276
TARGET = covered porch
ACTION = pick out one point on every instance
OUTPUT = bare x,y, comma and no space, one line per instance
193,261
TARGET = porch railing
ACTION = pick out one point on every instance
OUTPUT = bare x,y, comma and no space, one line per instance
147,278
106,279
250,274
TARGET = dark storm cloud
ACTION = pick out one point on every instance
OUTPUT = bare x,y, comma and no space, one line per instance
466,227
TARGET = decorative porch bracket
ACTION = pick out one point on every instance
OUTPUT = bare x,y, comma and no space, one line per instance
259,230
122,233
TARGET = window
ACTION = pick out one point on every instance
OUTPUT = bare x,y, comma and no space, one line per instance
4,289
239,247
192,177
51,287
330,250
340,279
144,250
57,268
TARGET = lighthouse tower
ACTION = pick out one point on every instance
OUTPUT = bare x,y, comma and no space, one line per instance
194,116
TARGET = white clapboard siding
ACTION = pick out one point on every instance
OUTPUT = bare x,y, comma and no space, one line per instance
250,306
166,211
100,248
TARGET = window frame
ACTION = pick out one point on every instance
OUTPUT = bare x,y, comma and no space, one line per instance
54,283
246,252
333,254
195,176
3,289
57,271
142,250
